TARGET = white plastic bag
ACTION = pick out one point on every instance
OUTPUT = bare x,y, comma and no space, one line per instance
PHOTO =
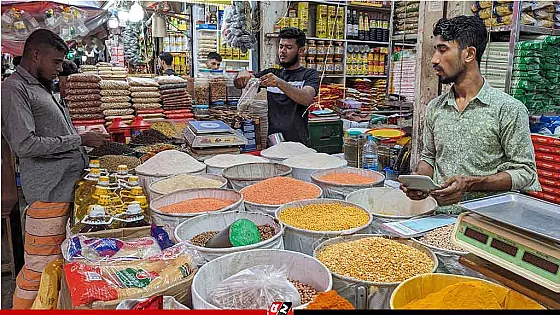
255,288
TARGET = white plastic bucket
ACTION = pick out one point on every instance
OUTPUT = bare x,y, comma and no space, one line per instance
305,241
269,209
169,221
154,193
341,191
219,221
303,268
241,176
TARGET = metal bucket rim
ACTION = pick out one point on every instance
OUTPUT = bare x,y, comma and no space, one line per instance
277,206
314,177
241,179
184,215
212,176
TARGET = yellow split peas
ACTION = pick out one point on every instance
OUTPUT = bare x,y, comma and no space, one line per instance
325,217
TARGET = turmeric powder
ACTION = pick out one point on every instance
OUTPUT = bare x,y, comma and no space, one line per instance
462,295
330,300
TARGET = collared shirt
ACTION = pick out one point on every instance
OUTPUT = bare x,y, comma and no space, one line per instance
40,132
489,136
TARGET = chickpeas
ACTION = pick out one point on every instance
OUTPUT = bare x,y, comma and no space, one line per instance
306,292
375,259
325,217
441,238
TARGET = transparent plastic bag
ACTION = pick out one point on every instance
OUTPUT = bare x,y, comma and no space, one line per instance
248,95
82,248
88,283
255,288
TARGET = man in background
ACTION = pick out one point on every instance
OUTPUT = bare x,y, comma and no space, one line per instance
290,90
213,61
165,62
51,156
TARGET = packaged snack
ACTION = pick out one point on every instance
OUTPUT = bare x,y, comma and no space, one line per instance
81,248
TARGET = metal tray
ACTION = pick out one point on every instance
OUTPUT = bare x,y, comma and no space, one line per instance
520,211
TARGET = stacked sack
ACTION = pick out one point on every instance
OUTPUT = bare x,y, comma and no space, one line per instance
108,72
115,100
176,100
83,99
88,69
145,98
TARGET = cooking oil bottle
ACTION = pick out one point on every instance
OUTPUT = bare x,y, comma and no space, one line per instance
101,188
133,217
126,188
95,220
133,193
122,173
143,201
86,186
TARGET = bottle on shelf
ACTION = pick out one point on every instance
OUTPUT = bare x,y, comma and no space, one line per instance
371,27
366,27
349,25
370,155
385,31
361,27
355,21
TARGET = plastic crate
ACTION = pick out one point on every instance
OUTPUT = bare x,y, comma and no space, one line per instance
326,137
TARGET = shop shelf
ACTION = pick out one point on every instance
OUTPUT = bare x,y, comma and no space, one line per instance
366,42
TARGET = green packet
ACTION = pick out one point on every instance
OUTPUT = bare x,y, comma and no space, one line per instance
527,53
526,60
531,45
552,40
550,66
526,67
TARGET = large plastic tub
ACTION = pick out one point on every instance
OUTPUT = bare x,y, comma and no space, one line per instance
341,191
219,221
154,193
240,176
269,209
300,267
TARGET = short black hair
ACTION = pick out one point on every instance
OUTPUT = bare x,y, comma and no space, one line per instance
293,33
214,55
166,57
68,68
16,61
466,30
45,38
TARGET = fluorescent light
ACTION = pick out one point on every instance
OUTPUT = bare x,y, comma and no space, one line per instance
136,13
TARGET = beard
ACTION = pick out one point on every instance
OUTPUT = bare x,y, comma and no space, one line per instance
46,82
447,80
290,63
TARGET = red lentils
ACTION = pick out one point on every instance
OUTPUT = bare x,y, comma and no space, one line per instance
197,205
280,190
347,178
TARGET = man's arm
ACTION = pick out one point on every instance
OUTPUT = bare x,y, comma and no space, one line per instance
304,95
18,126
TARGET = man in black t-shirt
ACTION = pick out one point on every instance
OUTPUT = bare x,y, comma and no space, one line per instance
165,62
290,89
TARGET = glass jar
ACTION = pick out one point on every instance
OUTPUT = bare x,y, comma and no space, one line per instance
218,88
338,67
330,49
232,93
311,50
339,50
201,91
201,112
329,66
320,67
353,145
321,51
311,64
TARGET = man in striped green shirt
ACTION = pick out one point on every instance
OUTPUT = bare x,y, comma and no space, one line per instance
476,138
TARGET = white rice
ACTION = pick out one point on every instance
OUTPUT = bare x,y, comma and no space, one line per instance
315,161
284,150
170,162
227,160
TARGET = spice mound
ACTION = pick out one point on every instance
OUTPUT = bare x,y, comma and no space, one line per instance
279,190
266,231
170,162
315,161
183,181
441,238
375,259
111,162
330,300
197,205
227,160
111,148
325,217
284,150
460,296
150,136
347,179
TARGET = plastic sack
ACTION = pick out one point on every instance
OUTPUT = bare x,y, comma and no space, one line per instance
248,95
88,283
169,303
80,248
47,296
255,288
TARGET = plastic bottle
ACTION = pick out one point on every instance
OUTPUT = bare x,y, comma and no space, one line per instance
133,217
101,188
130,195
143,201
96,220
85,187
369,155
122,172
126,187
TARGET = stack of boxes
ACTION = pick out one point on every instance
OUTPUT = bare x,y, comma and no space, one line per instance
404,68
547,156
494,65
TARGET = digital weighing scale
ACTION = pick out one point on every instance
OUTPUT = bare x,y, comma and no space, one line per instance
213,133
516,232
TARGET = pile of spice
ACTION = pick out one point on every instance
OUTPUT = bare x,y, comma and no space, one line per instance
318,161
197,205
330,300
111,162
227,160
469,295
184,181
325,217
347,179
170,162
280,190
266,231
150,136
166,128
375,259
441,238
306,292
284,150
111,148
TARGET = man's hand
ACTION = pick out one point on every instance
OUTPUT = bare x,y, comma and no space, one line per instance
414,194
94,139
452,191
242,79
270,80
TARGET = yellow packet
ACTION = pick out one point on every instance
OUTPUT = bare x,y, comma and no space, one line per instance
47,297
